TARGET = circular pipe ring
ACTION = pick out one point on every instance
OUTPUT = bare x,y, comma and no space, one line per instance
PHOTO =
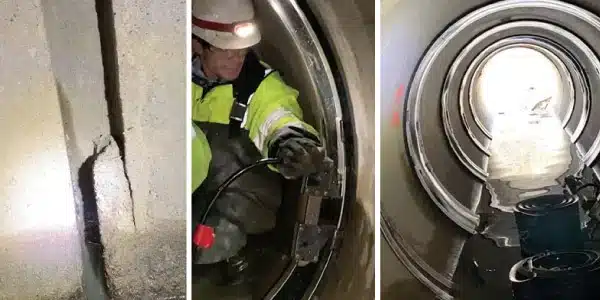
493,18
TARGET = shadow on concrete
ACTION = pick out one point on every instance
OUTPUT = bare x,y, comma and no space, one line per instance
93,243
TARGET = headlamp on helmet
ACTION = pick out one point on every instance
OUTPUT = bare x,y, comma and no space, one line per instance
244,29
241,29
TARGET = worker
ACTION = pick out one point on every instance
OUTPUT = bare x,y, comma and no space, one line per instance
247,112
201,157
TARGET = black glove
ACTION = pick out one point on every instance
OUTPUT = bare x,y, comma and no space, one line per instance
301,156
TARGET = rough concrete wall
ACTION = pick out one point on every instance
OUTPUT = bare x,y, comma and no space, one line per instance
150,79
54,57
150,44
139,265
356,53
71,28
73,39
40,253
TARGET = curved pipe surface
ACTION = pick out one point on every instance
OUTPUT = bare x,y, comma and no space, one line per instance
568,71
321,55
431,193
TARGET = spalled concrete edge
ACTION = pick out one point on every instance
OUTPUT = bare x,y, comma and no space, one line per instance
138,264
113,198
150,47
72,32
145,252
147,265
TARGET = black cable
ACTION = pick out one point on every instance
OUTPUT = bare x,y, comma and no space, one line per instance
233,177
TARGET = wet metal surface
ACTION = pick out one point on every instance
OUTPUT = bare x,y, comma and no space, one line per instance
408,28
531,155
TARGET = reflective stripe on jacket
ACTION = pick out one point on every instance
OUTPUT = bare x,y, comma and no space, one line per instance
272,107
251,202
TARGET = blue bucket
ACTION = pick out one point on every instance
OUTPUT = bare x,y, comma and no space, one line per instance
549,223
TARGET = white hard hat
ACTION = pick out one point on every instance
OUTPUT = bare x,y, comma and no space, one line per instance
226,24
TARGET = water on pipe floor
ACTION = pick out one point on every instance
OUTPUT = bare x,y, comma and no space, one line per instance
530,156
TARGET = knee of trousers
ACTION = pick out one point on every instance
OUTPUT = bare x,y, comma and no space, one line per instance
248,210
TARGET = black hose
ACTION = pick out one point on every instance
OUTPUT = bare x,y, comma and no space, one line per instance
233,177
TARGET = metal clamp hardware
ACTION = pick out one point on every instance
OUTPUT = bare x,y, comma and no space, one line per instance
309,241
238,110
310,236
590,202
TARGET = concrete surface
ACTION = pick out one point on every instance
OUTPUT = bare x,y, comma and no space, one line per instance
59,52
149,48
41,249
113,197
150,45
71,28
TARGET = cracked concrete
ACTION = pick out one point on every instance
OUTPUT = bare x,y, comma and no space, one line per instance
52,83
145,253
113,198
152,85
146,265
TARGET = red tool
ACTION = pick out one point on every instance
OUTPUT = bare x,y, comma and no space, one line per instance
204,236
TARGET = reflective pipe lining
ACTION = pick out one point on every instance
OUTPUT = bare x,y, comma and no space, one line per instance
469,95
555,40
328,109
577,100
322,69
469,156
306,67
431,149
427,83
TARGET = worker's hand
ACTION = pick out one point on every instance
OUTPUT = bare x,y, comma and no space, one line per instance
302,157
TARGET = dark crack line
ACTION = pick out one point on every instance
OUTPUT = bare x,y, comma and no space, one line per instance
110,63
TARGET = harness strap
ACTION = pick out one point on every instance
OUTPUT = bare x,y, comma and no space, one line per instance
252,74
